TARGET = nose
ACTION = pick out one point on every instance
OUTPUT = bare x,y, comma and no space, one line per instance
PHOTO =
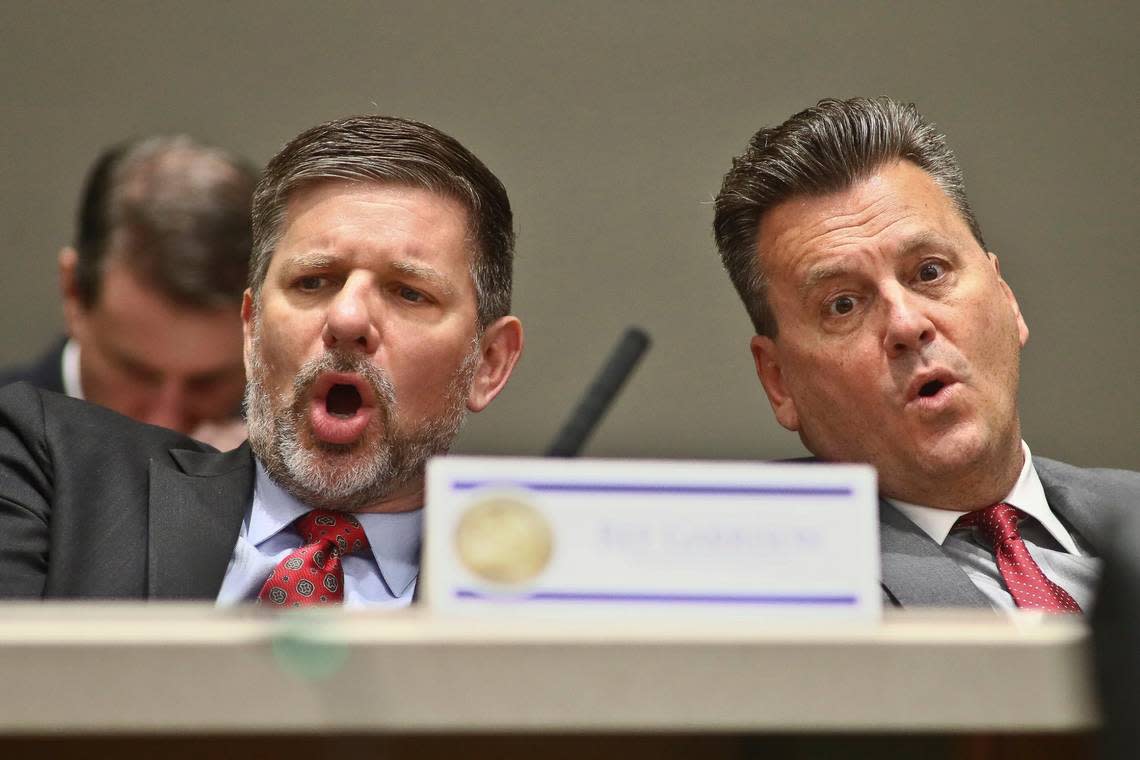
909,327
350,323
170,407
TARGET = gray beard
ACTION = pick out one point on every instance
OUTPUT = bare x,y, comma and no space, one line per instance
346,477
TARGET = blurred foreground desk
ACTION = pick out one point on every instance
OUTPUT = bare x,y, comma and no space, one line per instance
158,670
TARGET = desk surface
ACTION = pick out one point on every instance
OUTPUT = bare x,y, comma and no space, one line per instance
163,668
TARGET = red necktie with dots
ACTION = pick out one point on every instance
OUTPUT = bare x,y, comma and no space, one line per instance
1026,583
312,574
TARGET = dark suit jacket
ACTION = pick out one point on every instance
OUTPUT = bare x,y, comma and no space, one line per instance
46,372
93,504
917,572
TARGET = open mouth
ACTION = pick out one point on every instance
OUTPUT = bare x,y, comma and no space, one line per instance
931,388
343,400
931,391
341,407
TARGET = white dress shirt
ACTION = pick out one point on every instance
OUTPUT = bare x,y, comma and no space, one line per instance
1059,554
69,359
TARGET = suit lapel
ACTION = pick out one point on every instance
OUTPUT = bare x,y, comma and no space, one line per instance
1077,506
197,502
916,572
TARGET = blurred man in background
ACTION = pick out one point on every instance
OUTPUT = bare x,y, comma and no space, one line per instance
152,289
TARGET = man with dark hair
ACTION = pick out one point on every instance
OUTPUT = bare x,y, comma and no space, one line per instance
151,289
886,334
377,313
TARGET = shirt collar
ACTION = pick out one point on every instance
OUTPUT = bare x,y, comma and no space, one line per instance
394,538
1027,495
69,369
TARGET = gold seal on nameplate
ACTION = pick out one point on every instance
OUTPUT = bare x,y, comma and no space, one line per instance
503,539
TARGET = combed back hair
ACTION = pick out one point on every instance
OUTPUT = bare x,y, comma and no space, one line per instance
821,150
175,212
389,150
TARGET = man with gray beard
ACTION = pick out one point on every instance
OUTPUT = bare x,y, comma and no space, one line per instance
377,315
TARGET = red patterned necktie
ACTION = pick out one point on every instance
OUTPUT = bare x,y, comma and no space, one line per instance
1027,585
312,574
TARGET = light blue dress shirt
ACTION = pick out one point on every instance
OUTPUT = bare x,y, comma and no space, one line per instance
382,577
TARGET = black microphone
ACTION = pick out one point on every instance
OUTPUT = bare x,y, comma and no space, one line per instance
590,410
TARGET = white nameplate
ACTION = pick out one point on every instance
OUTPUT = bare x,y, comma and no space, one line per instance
582,536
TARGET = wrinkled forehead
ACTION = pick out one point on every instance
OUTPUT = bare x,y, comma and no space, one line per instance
305,193
892,206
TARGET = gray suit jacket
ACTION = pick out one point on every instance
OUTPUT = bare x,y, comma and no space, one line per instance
93,504
917,572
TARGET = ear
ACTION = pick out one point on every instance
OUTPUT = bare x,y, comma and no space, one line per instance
499,351
767,357
73,309
247,314
1022,328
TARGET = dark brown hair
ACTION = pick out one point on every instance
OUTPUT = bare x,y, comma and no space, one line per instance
820,150
399,151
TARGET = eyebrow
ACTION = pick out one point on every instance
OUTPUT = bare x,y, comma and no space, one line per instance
822,273
425,273
924,241
318,261
308,261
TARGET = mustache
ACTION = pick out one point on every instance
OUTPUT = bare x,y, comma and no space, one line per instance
345,361
951,359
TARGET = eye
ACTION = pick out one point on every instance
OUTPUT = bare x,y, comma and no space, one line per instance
411,295
216,380
139,373
931,271
310,283
840,305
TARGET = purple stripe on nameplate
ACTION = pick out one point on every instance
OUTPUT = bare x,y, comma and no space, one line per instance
466,485
582,596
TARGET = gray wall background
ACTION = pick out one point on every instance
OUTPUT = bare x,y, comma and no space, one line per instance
612,123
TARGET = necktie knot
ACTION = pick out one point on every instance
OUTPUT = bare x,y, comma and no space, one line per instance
312,573
341,530
998,523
